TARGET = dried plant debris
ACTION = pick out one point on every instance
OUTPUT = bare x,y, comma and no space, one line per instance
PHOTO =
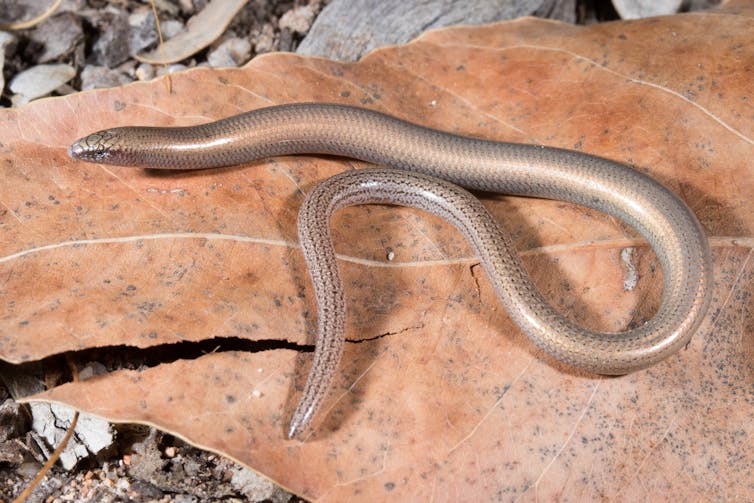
100,40
201,30
104,462
146,466
113,43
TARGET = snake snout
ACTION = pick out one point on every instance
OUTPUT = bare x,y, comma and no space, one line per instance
93,148
77,150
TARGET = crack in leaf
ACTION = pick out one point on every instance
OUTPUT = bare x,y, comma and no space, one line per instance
119,357
385,334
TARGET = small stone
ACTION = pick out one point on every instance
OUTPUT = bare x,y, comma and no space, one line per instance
143,31
51,422
265,41
285,41
146,490
171,28
58,36
187,7
128,69
97,77
232,52
13,12
28,469
110,49
171,69
636,9
92,369
144,71
12,452
39,81
253,486
299,19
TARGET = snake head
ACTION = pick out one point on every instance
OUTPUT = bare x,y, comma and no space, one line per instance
100,147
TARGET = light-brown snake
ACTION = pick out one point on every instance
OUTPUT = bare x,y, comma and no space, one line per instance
663,219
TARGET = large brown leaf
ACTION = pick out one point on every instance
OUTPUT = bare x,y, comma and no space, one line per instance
452,402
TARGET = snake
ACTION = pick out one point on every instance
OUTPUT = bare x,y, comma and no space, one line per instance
426,168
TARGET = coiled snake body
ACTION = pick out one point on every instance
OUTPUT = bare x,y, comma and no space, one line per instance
424,155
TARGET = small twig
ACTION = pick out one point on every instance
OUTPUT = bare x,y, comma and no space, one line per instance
56,454
162,47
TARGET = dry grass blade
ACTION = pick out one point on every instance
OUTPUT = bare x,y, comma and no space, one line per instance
56,453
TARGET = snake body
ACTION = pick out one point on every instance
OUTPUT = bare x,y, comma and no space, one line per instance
429,160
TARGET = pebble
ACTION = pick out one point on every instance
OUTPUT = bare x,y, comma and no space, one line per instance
92,369
299,19
232,52
187,7
265,41
51,421
58,36
143,31
109,50
252,485
97,77
39,81
635,9
144,71
171,69
171,28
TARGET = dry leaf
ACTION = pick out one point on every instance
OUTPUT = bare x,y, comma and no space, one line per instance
439,396
203,29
